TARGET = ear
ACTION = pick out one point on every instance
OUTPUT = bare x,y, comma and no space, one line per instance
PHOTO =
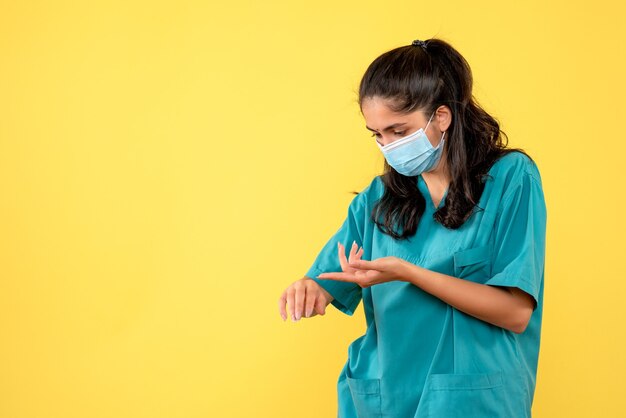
443,118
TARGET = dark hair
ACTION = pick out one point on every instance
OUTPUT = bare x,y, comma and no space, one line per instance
412,78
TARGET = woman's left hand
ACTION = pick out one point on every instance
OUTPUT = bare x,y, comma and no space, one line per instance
366,273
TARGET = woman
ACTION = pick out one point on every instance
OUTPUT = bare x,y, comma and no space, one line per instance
455,230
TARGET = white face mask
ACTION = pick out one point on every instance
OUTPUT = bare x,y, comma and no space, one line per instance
413,154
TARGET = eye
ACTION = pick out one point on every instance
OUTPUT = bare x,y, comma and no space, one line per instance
395,133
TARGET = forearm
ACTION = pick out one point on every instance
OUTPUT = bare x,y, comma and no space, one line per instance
496,305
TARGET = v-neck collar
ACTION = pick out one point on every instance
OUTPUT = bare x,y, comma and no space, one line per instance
423,187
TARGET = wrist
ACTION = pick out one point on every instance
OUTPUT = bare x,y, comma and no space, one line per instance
405,270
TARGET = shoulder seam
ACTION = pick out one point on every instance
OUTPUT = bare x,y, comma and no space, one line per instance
511,192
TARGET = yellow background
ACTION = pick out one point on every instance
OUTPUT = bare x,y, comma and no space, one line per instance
168,168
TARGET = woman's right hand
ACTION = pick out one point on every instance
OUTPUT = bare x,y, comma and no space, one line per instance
304,294
307,294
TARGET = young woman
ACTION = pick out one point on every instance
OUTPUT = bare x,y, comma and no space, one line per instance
455,233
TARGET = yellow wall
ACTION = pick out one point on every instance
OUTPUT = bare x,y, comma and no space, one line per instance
168,168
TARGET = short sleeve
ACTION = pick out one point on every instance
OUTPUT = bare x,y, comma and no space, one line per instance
346,295
520,237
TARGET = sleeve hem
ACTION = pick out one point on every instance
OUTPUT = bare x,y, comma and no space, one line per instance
345,296
513,281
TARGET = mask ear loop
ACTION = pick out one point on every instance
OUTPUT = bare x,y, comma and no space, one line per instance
431,118
441,141
444,132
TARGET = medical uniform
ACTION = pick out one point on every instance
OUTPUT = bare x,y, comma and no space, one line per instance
419,356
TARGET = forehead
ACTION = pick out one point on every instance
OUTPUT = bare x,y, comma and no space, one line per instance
378,116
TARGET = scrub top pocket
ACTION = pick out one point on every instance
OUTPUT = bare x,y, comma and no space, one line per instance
462,396
366,397
473,264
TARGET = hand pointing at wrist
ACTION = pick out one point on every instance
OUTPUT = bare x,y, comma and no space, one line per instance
366,273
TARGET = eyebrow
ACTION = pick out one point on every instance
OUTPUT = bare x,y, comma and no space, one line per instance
395,125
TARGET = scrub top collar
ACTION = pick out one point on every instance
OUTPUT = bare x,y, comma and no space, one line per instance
423,187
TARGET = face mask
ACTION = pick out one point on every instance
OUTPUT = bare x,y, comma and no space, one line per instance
413,154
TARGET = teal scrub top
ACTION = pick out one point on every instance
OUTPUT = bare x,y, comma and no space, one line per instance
419,356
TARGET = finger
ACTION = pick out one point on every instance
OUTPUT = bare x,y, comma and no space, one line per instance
354,256
353,250
365,265
342,257
300,293
281,305
344,277
309,301
290,301
320,305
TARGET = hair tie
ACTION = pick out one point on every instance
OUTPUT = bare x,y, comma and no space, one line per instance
418,42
